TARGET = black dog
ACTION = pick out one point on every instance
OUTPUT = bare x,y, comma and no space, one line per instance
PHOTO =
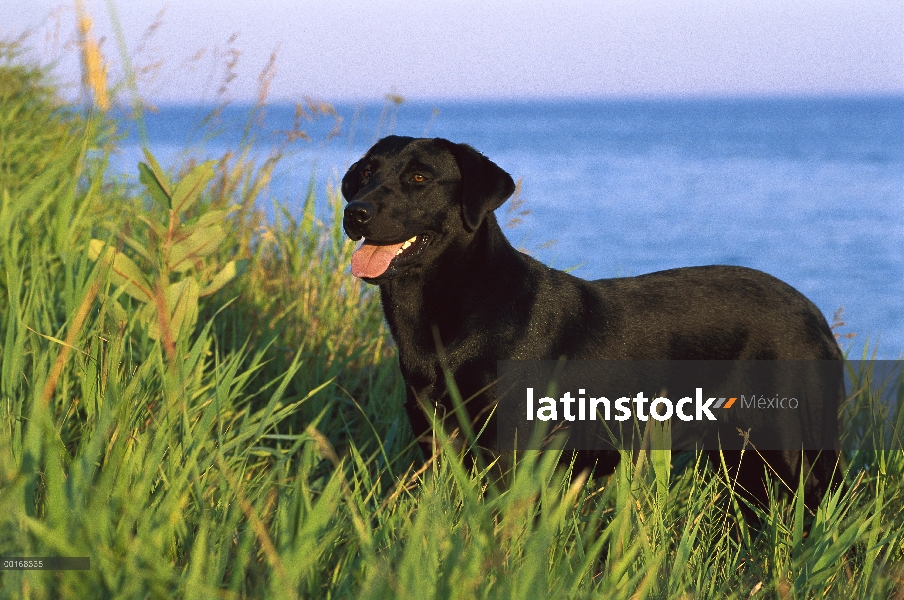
432,244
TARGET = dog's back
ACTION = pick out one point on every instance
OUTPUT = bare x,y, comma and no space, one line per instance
716,313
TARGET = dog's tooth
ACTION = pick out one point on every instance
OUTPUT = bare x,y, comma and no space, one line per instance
412,240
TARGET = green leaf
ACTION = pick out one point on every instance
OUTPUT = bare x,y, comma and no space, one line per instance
233,269
209,218
95,247
212,217
138,247
182,307
189,189
158,173
115,311
182,297
153,186
158,229
201,243
797,533
147,316
123,271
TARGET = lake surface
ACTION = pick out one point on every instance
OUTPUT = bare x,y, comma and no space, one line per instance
809,190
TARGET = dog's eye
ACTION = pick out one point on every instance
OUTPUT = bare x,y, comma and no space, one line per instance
367,173
418,178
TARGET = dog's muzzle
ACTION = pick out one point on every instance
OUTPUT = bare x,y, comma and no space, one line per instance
358,214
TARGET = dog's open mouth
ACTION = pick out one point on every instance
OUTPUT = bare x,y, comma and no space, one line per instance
373,260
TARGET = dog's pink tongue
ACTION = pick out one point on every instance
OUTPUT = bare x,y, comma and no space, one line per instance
371,260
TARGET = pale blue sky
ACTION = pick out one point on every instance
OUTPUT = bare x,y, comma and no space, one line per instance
477,49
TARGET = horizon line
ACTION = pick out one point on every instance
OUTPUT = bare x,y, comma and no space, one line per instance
390,97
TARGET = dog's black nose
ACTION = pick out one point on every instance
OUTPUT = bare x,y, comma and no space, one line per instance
359,212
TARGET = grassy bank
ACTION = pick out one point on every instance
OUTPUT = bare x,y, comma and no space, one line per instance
208,406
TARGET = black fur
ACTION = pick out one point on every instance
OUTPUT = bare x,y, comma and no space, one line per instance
489,301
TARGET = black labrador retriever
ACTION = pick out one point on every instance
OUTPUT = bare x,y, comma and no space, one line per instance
451,283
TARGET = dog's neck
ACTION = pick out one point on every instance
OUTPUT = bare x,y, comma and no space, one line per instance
418,303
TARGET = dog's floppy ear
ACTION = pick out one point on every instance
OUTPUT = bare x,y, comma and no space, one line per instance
484,186
351,182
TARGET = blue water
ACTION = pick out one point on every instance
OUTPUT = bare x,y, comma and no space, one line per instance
809,190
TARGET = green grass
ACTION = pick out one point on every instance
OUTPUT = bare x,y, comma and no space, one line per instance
250,442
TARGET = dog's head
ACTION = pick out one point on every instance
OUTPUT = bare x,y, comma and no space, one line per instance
409,198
